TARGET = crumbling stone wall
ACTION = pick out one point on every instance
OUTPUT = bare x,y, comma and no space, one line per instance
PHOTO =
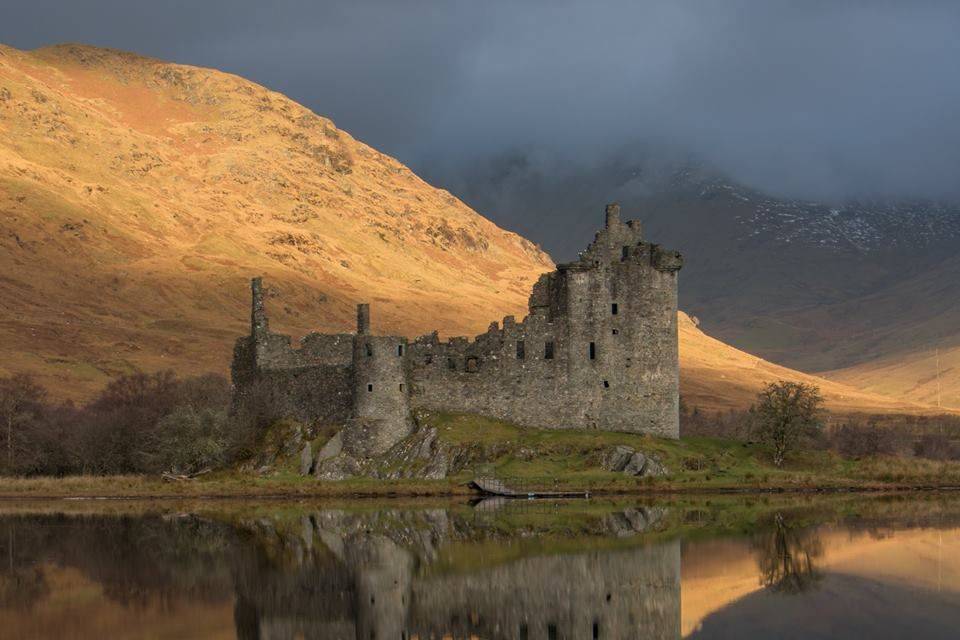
598,350
273,380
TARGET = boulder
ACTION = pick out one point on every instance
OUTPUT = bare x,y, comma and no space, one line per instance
306,460
635,464
437,468
332,449
340,467
426,445
617,458
654,469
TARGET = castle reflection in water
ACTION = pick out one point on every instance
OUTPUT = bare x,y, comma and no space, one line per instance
779,567
347,582
371,574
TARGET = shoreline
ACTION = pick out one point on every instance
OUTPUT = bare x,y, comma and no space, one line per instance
331,491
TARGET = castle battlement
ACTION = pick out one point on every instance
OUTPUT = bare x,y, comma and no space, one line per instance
597,350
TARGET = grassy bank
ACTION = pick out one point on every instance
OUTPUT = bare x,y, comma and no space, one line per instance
561,459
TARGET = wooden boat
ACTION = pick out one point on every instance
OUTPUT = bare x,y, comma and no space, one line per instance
496,487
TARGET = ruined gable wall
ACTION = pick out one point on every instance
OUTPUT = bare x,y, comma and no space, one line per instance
320,394
313,383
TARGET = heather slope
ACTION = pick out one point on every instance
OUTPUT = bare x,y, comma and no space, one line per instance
138,197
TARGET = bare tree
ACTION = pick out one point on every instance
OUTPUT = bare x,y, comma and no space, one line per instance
786,412
21,400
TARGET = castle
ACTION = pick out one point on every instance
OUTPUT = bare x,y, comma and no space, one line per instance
598,350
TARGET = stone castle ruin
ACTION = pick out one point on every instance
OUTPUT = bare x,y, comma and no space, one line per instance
598,350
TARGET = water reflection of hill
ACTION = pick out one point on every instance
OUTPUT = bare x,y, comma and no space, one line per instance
842,606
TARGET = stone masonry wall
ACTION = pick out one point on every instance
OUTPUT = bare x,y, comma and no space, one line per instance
598,350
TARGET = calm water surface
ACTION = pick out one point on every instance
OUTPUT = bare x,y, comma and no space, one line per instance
756,567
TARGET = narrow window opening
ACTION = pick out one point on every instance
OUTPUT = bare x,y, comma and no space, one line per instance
401,386
593,350
521,350
606,384
399,349
548,351
524,632
452,364
596,630
616,332
369,349
552,631
369,387
624,253
614,309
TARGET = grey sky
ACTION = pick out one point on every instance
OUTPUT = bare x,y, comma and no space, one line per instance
815,98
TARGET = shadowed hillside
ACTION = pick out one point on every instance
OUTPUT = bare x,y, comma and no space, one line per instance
717,376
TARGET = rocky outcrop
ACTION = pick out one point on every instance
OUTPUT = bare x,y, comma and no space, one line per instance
628,461
285,443
419,455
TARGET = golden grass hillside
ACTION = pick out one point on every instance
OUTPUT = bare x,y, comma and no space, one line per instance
138,197
912,376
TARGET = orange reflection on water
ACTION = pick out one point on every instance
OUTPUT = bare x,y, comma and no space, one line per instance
716,574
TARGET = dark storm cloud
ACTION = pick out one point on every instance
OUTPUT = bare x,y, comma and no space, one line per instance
821,99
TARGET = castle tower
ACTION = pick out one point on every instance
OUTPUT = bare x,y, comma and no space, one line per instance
619,304
381,406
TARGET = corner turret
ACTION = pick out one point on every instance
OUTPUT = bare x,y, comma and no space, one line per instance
381,406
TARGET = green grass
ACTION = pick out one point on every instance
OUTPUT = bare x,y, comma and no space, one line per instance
571,458
562,459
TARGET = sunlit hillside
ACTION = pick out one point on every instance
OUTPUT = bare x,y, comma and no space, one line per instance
138,198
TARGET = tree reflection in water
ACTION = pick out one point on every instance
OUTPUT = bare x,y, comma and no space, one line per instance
785,555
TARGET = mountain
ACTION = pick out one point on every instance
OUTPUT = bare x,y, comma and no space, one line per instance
813,286
138,197
864,291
